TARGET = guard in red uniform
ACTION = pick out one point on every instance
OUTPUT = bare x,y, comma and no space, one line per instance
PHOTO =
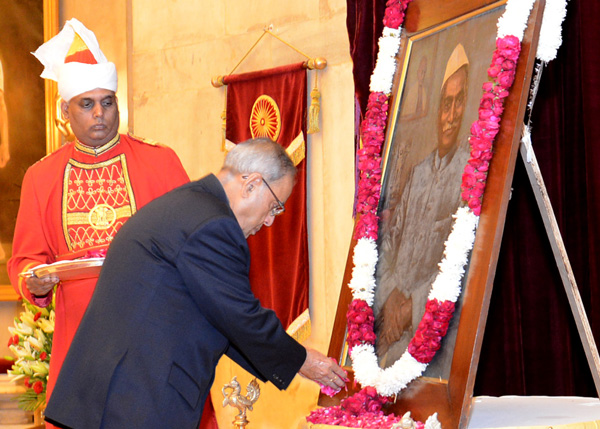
74,200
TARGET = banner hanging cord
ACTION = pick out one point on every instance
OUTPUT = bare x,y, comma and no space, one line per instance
317,63
267,30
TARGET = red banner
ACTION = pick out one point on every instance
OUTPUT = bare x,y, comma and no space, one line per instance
272,103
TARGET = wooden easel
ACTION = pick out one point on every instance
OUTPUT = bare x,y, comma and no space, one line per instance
557,244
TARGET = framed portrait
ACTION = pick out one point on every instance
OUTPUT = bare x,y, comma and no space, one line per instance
26,108
442,66
445,69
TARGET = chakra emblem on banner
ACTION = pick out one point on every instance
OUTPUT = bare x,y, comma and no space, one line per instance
265,119
102,216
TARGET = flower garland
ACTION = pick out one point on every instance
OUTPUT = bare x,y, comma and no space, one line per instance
31,343
445,289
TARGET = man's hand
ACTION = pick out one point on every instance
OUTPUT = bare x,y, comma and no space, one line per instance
40,286
323,370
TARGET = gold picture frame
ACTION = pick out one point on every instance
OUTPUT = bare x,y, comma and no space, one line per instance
32,23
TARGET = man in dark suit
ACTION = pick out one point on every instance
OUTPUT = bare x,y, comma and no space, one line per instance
174,296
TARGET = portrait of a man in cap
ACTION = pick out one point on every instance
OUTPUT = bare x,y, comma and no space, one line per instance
419,224
422,173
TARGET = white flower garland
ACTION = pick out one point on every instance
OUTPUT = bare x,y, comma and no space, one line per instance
382,78
550,33
446,286
364,257
513,21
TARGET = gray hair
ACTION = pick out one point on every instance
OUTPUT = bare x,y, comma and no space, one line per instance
260,155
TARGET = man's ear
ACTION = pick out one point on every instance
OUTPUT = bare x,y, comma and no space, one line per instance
64,109
251,183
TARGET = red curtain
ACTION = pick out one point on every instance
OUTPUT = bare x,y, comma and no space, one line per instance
531,345
279,267
364,21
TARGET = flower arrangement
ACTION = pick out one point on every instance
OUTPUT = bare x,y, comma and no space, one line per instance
31,343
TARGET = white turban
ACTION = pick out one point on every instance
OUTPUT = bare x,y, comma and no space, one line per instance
75,78
458,58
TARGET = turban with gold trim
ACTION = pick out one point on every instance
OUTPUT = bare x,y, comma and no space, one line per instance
73,59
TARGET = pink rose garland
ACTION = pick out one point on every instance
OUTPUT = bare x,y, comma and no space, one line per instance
485,129
431,330
360,323
394,13
369,165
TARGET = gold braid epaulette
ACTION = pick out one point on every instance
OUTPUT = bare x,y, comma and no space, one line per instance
43,158
147,141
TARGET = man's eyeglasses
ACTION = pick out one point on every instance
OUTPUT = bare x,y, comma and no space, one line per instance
275,211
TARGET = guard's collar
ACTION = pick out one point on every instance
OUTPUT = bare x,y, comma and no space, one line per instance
96,151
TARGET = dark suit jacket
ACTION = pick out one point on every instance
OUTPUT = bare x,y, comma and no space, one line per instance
173,297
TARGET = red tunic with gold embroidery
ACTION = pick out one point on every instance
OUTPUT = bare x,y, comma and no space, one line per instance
74,201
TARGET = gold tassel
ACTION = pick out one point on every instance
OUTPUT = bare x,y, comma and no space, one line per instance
301,328
314,109
224,123
223,129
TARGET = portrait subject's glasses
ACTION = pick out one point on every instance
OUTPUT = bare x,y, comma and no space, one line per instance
275,211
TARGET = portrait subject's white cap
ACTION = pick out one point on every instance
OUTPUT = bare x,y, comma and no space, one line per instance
73,59
458,58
